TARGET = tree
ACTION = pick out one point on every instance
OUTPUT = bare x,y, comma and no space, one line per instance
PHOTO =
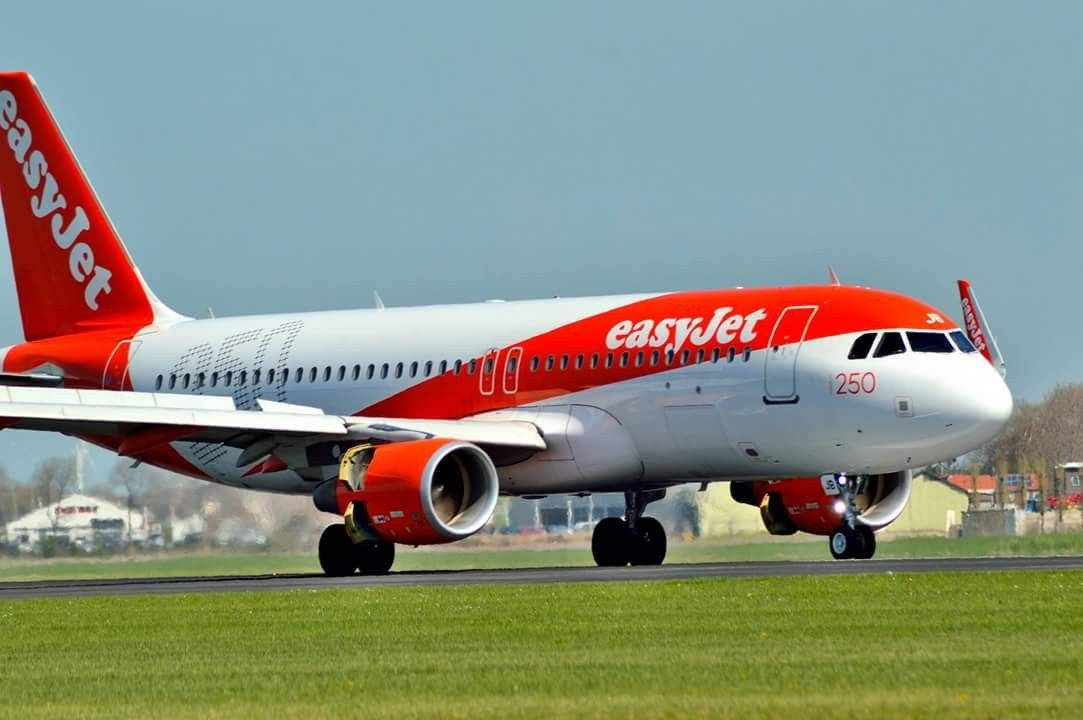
52,481
131,484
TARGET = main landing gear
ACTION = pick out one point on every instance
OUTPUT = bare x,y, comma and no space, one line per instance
851,540
341,556
635,540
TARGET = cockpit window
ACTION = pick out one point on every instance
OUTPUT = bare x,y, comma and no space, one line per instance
962,342
890,344
860,349
929,342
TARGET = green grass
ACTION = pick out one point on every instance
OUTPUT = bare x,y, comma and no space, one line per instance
553,555
976,645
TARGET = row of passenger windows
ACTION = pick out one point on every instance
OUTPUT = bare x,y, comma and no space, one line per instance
415,369
891,343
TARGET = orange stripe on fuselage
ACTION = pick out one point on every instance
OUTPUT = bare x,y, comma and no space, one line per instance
841,310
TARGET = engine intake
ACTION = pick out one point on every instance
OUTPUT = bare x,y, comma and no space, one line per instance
419,492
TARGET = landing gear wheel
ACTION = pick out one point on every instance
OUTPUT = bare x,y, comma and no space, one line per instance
374,557
650,542
611,543
868,542
336,551
845,543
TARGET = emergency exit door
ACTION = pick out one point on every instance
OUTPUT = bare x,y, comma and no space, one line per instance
780,366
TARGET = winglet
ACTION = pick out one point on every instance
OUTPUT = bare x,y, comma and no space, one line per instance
831,274
379,301
977,327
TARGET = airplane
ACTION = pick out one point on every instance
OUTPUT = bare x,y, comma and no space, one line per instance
407,423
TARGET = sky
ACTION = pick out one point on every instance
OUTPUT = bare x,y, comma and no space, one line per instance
263,157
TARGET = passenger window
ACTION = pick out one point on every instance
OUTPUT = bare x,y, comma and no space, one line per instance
327,373
428,368
715,354
732,354
473,367
187,379
356,372
929,342
243,378
488,366
579,361
443,366
549,363
458,366
370,371
669,357
699,355
172,381
594,361
654,358
341,373
383,371
624,359
639,359
684,357
963,342
563,362
311,375
748,354
413,369
860,349
214,379
158,383
609,360
271,376
398,370
513,363
890,344
534,364
255,376
229,378
201,380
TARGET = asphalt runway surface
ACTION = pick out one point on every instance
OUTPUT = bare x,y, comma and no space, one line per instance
248,583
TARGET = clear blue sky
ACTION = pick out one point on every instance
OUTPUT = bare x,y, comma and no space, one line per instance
270,157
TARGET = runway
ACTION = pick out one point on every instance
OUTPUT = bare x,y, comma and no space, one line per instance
532,576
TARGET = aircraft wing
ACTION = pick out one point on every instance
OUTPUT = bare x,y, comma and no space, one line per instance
143,420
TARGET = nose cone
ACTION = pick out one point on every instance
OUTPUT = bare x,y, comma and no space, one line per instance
987,403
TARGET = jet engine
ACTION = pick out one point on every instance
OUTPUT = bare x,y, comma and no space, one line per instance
815,504
419,492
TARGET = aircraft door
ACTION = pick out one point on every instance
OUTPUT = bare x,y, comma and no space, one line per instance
780,365
487,381
511,370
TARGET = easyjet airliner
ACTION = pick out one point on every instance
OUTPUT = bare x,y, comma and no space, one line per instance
814,403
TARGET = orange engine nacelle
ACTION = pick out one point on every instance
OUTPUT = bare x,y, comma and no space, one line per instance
809,505
420,492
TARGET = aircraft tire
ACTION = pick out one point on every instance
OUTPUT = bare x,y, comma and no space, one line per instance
336,552
844,542
374,557
868,542
611,543
650,542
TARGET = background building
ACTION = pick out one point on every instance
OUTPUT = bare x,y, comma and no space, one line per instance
85,522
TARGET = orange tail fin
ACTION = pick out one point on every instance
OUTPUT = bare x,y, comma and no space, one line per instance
72,273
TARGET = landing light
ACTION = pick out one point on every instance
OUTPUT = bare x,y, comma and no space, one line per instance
839,507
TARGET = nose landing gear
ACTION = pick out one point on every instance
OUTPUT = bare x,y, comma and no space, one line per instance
634,540
851,540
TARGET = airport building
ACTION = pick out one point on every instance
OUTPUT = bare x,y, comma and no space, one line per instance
82,521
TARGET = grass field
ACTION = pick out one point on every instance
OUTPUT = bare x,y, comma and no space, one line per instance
457,558
936,645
